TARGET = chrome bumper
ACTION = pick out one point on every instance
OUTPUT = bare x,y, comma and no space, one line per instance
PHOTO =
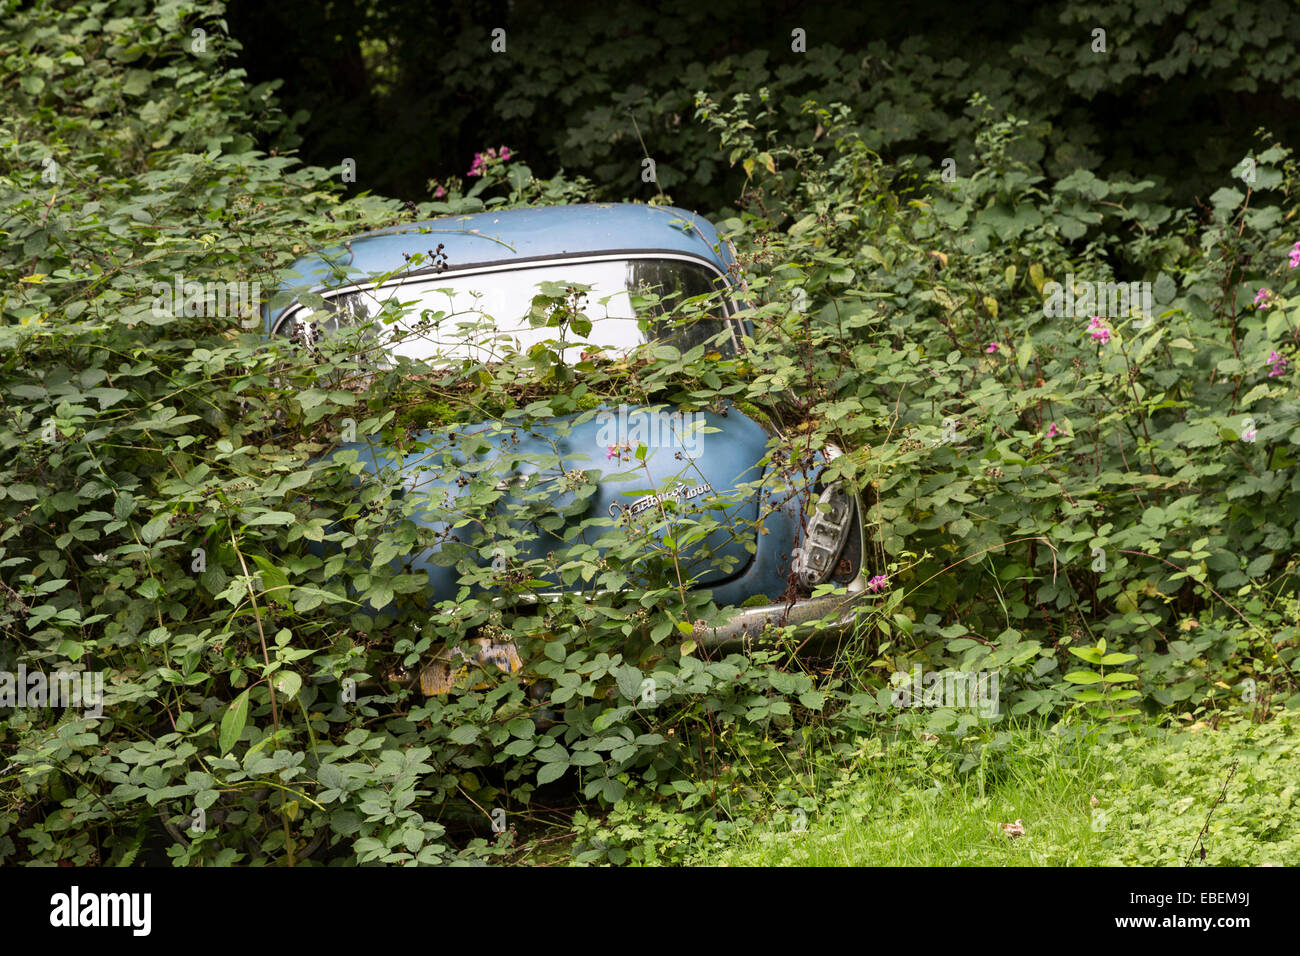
817,618
830,615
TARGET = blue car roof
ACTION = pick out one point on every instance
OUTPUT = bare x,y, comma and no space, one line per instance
509,235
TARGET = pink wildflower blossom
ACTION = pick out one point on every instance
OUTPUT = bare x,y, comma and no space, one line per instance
481,160
1098,329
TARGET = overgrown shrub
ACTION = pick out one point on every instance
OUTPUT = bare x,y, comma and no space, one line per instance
1037,485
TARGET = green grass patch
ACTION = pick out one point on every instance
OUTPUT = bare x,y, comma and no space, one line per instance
1081,799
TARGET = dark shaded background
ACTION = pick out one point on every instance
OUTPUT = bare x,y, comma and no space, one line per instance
411,90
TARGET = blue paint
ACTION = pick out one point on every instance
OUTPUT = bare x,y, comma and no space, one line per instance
507,236
545,450
759,562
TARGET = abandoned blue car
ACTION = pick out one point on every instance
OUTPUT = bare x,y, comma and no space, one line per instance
486,270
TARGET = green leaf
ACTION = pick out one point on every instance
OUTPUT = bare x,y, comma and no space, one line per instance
1226,199
1083,677
465,734
1025,354
273,579
1164,289
287,683
550,772
232,724
1149,344
553,754
628,679
812,699
273,517
153,530
381,595
108,396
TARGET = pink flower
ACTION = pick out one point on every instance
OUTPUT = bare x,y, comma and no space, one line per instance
439,193
1054,431
877,583
1295,255
481,160
1262,298
611,452
1098,329
1278,363
1249,434
993,347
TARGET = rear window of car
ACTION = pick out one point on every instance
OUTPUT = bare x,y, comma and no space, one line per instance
485,314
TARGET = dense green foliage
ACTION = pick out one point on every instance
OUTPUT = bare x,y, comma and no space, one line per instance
1175,96
1146,473
1106,520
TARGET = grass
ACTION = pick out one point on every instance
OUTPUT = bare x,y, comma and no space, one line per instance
1082,800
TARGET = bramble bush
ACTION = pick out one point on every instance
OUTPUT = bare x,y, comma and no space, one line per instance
169,520
1060,480
1037,485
